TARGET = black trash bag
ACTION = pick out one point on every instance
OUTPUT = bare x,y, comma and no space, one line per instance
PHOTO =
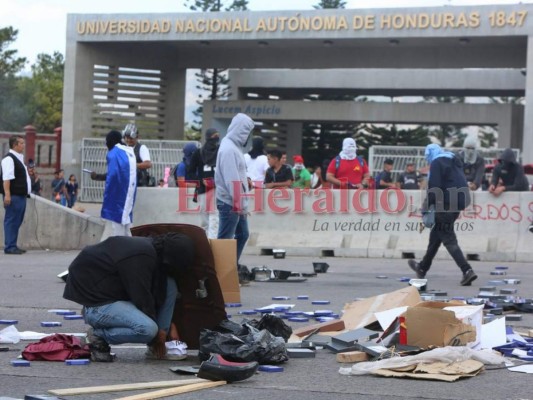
228,326
255,345
274,324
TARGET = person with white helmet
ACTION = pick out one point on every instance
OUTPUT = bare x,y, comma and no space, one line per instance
142,155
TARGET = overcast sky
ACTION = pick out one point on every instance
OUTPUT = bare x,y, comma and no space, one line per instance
42,23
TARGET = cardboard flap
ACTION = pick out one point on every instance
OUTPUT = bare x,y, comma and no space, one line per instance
225,257
428,326
359,314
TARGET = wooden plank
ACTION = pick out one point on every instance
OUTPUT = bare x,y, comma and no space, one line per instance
352,356
170,392
125,386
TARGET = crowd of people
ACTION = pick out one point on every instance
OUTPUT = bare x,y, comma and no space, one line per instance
127,285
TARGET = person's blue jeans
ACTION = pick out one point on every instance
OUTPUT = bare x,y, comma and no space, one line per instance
232,225
71,200
14,215
122,322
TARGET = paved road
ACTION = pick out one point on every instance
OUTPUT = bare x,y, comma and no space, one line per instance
29,287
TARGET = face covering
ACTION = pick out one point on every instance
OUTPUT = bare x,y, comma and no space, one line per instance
298,166
349,149
470,156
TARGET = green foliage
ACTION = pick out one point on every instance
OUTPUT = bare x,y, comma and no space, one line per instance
324,4
507,100
46,84
487,136
216,5
213,83
35,100
14,110
10,64
447,135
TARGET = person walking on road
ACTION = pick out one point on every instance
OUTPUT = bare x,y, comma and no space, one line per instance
447,195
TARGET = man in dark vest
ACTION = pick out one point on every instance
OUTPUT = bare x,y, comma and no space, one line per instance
16,187
142,154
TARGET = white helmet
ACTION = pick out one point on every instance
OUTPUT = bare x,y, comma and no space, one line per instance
130,130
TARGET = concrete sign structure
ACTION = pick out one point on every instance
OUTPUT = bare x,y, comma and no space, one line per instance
124,67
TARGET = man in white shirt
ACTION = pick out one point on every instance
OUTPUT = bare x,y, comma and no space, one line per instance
16,187
256,162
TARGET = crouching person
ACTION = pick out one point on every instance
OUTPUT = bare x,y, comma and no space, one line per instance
128,290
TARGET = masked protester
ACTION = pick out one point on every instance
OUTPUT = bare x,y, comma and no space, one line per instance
232,183
256,162
473,163
302,177
447,195
347,170
203,166
508,175
120,186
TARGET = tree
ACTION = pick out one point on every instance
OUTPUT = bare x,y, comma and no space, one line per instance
447,135
13,113
47,85
10,64
213,81
36,99
324,4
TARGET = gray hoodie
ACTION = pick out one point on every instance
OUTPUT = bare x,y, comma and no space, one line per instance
231,166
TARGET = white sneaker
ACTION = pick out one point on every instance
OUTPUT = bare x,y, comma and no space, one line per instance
176,351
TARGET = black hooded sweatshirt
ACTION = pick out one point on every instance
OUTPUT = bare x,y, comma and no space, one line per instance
510,172
119,268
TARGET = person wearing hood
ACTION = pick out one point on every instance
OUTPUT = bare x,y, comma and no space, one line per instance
508,175
120,186
447,195
256,162
232,183
181,172
202,166
127,287
473,163
347,170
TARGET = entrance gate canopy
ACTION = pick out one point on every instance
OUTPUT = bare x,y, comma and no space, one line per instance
492,36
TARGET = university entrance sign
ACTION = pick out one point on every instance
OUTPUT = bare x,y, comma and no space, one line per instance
124,67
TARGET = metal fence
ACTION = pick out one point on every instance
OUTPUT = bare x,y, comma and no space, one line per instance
403,155
163,154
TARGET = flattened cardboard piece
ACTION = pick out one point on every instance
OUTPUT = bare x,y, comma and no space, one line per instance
225,256
360,314
439,371
429,324
432,377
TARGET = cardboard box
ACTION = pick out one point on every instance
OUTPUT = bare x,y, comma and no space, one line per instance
360,314
433,323
225,256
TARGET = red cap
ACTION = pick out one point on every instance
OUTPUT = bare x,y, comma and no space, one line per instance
298,159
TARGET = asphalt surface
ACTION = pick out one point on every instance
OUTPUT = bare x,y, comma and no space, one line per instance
29,288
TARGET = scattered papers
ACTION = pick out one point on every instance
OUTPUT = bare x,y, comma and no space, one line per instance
493,334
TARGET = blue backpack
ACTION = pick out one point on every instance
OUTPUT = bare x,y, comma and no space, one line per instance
338,162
